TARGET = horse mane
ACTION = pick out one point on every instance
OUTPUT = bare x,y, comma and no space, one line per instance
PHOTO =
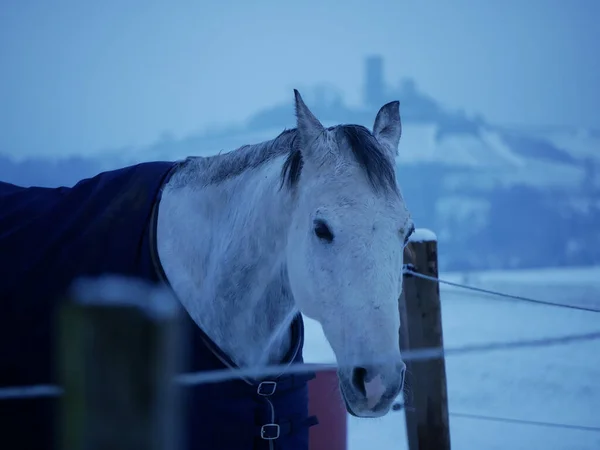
366,151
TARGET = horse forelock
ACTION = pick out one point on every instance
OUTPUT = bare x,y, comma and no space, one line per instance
364,150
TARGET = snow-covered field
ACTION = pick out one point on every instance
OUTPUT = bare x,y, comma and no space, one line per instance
559,384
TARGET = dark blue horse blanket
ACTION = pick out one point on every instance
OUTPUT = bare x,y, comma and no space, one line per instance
107,224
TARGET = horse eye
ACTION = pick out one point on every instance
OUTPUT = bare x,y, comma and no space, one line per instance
408,235
322,231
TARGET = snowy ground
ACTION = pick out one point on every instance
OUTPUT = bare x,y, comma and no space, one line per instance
556,384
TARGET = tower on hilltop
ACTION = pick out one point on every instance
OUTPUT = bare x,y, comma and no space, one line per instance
374,87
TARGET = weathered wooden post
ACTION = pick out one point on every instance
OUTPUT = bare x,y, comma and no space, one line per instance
427,424
118,353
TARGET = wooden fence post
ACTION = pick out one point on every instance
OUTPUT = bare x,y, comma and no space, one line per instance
427,424
119,349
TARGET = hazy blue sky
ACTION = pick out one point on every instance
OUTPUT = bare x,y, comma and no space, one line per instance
79,75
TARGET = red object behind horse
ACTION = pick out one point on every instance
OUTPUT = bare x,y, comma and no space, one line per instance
325,401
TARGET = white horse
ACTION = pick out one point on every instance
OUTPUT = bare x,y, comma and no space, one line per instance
311,221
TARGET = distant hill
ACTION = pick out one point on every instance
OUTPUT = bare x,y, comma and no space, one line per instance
497,196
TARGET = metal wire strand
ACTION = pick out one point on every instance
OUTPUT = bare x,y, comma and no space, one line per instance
216,376
408,270
524,422
404,407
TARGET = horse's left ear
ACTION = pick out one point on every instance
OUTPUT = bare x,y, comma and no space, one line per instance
309,127
388,127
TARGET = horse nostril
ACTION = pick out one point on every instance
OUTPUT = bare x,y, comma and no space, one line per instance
359,375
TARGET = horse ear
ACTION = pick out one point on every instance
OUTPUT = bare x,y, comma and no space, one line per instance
388,127
309,127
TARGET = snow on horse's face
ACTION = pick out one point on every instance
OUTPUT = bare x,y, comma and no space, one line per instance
345,251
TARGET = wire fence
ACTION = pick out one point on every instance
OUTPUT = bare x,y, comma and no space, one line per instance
524,421
409,270
191,379
402,407
217,376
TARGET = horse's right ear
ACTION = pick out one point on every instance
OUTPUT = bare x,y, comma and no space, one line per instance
309,127
388,127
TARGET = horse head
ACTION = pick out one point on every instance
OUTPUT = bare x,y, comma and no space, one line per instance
345,249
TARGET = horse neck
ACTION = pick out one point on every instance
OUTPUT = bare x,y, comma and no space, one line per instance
222,248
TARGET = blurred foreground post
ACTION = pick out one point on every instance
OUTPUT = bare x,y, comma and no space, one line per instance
325,401
427,425
118,354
